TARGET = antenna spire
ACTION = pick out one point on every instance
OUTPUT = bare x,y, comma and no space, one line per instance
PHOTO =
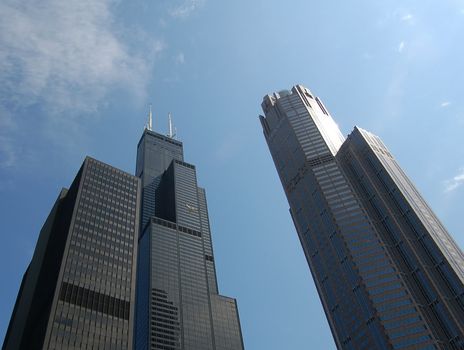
149,124
150,119
171,134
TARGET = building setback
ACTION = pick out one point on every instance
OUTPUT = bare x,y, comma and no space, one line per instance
178,305
388,273
79,289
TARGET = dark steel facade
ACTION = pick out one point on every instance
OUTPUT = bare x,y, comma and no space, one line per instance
178,305
388,273
79,289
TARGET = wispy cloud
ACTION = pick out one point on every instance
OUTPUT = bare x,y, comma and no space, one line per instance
8,154
401,47
407,17
8,151
180,58
366,56
455,182
64,56
445,104
186,8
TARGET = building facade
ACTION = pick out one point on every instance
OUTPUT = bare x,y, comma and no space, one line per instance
178,305
388,274
79,289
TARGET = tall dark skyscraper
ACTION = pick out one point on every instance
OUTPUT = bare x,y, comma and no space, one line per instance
79,289
388,273
178,305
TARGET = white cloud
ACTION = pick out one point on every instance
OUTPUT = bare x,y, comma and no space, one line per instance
401,47
8,154
65,55
186,8
61,59
162,23
366,56
180,58
407,17
445,104
455,182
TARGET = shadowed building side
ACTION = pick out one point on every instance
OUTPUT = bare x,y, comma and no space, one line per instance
79,289
429,259
32,308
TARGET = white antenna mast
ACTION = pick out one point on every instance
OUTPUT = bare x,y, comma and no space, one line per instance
149,124
150,120
171,134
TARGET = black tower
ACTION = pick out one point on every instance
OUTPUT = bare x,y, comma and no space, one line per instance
178,305
79,289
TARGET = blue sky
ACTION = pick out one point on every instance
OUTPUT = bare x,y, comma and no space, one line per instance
76,78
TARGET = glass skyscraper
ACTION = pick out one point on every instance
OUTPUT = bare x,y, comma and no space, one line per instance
178,305
388,273
78,292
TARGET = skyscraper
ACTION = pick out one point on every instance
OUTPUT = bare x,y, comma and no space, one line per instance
178,305
79,289
388,273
